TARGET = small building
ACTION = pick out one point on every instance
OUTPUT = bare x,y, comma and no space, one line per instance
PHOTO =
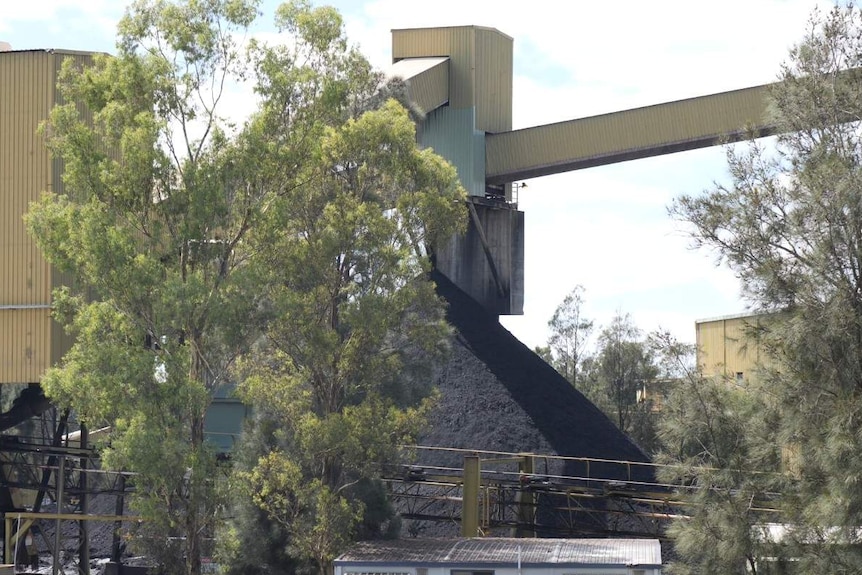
502,556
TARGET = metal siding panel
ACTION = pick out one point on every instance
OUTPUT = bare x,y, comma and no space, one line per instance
626,135
429,89
493,76
449,131
455,42
736,347
223,423
480,69
711,347
26,96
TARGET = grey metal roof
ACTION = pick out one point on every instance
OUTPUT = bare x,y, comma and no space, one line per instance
505,551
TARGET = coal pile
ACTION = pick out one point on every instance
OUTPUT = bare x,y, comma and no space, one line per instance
498,395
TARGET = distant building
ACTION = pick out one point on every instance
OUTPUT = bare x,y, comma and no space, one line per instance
728,347
502,556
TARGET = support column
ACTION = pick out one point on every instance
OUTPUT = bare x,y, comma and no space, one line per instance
470,497
83,529
116,543
526,499
58,532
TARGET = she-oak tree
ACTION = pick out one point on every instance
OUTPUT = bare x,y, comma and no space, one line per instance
790,225
304,231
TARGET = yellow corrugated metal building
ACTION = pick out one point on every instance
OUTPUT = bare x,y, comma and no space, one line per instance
480,70
29,340
727,347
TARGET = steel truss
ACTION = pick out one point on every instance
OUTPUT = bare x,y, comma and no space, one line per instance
514,500
46,479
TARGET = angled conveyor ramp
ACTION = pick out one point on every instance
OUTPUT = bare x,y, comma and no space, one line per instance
627,135
427,80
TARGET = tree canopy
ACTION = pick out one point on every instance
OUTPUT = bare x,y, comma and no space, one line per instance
789,224
289,248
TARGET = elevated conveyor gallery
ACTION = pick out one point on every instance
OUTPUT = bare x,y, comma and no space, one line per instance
461,77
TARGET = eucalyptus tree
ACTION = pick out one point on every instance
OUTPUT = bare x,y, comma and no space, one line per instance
570,333
356,325
164,190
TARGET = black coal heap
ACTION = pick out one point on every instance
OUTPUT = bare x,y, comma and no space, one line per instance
498,395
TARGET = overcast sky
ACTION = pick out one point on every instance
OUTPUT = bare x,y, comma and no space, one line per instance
604,228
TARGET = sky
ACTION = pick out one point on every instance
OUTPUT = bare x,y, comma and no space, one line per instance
604,228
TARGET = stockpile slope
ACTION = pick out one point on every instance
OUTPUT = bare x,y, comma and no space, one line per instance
498,395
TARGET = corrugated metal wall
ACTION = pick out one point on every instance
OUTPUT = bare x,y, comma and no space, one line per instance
26,97
29,340
725,347
455,42
493,77
480,69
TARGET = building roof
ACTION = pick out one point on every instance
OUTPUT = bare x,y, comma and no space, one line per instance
506,551
60,51
743,315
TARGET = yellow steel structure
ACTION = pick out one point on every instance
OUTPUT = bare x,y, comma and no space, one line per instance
480,78
429,81
29,340
471,126
626,135
480,69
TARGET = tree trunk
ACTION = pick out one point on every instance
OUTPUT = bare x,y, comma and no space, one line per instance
193,511
195,504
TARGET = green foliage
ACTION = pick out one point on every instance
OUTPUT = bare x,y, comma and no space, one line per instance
290,250
613,374
715,438
570,332
355,322
623,365
789,225
166,204
252,542
151,226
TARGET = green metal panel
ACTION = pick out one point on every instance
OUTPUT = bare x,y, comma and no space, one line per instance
451,133
627,135
224,422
